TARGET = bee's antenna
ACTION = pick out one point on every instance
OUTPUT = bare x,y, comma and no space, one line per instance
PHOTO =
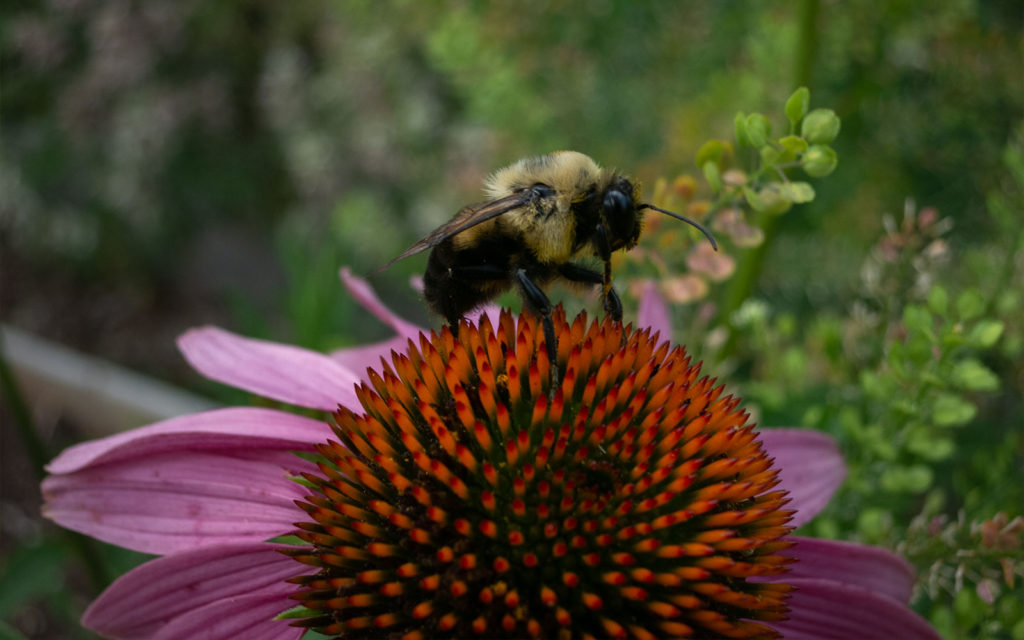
699,226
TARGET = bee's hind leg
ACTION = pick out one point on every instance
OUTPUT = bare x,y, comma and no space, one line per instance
538,301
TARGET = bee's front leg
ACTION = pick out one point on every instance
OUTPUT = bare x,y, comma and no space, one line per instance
612,303
609,298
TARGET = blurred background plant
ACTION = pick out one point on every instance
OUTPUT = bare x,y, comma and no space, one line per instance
171,164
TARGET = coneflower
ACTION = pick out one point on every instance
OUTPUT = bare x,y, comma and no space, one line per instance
456,494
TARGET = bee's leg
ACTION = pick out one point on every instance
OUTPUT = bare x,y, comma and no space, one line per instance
612,303
538,301
610,299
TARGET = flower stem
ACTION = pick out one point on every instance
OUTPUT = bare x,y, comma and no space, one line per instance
745,279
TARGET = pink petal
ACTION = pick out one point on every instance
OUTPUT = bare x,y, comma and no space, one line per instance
360,290
250,617
178,500
822,609
811,468
281,372
653,312
359,359
244,428
491,311
416,282
145,599
857,565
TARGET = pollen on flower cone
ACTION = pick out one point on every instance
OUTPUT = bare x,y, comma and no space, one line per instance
472,500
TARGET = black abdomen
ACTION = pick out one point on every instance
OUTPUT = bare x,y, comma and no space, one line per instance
459,280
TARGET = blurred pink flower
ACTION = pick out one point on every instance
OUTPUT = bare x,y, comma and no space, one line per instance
207,491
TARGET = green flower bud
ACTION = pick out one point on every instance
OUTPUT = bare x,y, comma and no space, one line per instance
769,199
797,192
821,126
819,161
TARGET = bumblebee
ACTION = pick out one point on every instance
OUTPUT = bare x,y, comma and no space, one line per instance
542,215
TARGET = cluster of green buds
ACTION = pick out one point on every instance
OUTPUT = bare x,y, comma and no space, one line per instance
768,189
765,189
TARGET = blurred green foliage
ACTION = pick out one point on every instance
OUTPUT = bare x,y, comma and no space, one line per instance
196,161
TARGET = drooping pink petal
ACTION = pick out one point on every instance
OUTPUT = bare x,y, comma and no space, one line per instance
811,468
825,609
243,427
250,617
278,371
358,359
183,499
858,565
362,292
653,312
145,599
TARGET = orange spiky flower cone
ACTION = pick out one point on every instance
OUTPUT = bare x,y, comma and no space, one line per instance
465,503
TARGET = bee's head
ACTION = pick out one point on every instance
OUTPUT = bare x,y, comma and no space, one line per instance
621,216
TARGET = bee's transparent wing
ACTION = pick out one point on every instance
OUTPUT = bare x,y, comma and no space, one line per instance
467,217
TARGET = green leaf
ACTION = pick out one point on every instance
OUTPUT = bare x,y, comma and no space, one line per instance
919,348
797,105
739,124
820,126
938,300
986,333
712,175
925,444
758,129
873,384
873,521
793,144
950,410
710,151
897,359
770,156
819,161
879,442
917,319
909,479
753,199
972,375
797,192
970,304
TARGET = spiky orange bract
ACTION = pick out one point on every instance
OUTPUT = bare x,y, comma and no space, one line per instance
470,501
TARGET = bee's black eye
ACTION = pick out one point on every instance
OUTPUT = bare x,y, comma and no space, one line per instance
616,203
619,213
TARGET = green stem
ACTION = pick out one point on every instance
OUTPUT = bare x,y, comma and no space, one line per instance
744,281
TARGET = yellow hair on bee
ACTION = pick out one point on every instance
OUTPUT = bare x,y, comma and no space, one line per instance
550,226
